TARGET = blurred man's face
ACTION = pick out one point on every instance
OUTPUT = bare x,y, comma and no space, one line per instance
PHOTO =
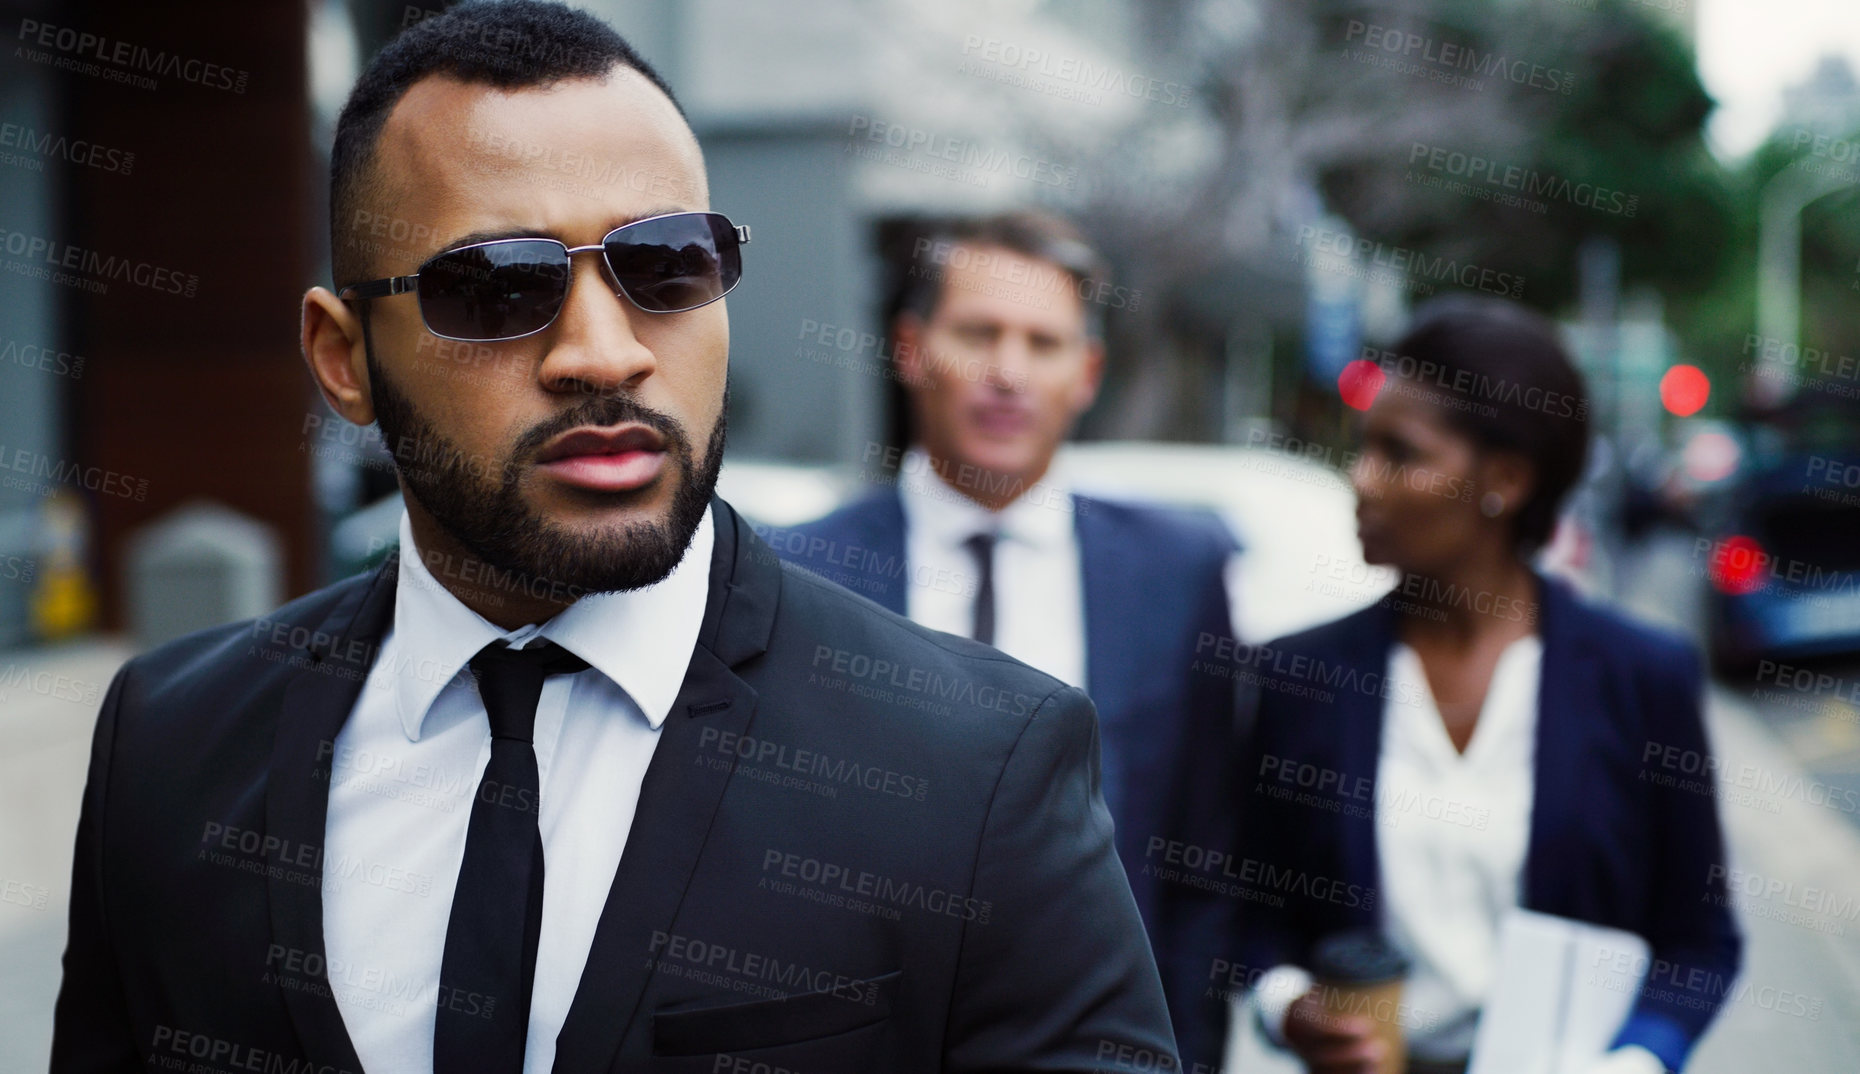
492,438
1000,372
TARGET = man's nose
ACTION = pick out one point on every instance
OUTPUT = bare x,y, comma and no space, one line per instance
593,345
1009,364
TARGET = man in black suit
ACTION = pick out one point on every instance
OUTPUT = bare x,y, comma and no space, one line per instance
582,778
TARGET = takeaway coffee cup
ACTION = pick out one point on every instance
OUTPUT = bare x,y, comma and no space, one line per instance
1361,973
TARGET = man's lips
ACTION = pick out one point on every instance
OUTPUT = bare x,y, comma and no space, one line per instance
608,460
1002,420
589,440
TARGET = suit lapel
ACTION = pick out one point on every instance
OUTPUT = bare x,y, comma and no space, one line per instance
884,536
1569,695
677,800
317,701
1111,590
1358,731
1115,660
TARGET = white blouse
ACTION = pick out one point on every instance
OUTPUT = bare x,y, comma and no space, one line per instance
1452,830
1452,833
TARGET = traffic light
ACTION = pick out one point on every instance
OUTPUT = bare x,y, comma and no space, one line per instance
1684,390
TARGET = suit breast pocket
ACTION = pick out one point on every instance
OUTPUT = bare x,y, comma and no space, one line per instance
770,1023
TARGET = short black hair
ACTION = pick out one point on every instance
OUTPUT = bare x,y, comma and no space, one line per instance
1035,235
507,44
1501,377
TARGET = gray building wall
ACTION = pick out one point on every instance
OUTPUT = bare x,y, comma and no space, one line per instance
31,397
806,278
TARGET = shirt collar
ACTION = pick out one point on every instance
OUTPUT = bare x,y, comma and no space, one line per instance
1040,516
641,639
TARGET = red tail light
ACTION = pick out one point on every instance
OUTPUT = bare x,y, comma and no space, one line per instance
1737,565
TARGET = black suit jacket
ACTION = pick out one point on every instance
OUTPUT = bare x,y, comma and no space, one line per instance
860,845
1154,603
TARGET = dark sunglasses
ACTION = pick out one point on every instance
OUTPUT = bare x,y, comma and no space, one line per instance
511,288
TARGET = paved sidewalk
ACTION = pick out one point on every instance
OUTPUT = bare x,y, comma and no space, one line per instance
49,699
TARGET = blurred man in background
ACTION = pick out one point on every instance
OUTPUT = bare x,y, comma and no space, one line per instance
999,346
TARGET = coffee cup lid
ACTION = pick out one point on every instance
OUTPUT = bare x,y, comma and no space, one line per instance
1362,956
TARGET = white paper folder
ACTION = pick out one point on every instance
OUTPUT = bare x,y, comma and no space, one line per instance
1564,987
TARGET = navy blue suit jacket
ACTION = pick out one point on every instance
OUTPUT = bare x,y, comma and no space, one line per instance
1154,598
1615,838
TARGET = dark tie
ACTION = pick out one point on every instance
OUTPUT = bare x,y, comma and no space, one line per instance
489,965
982,546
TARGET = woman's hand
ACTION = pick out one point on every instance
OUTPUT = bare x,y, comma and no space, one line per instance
1330,1042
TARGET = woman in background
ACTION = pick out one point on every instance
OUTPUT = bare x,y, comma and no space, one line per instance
1534,720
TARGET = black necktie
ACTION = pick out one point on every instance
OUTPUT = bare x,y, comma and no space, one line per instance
489,965
983,547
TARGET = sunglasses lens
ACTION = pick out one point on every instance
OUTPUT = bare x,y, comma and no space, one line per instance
500,290
668,264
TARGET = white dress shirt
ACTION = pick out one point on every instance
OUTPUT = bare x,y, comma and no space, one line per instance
406,770
1039,584
1452,833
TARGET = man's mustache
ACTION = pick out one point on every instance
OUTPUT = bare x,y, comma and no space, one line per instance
605,410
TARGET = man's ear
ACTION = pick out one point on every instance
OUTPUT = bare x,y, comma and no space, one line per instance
334,350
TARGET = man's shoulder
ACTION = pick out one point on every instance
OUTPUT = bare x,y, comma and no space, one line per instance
861,514
1176,526
821,608
859,545
1190,541
245,653
828,632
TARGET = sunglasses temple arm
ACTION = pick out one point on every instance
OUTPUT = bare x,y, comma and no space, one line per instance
393,285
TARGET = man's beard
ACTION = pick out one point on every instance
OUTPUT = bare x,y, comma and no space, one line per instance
484,510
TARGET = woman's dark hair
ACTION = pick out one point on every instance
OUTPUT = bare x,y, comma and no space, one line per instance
1501,377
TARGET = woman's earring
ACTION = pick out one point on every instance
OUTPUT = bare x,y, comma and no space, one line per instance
1491,505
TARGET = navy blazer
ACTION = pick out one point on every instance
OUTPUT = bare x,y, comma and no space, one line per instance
1615,839
1154,598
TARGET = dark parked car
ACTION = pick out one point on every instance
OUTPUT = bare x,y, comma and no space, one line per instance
1784,575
